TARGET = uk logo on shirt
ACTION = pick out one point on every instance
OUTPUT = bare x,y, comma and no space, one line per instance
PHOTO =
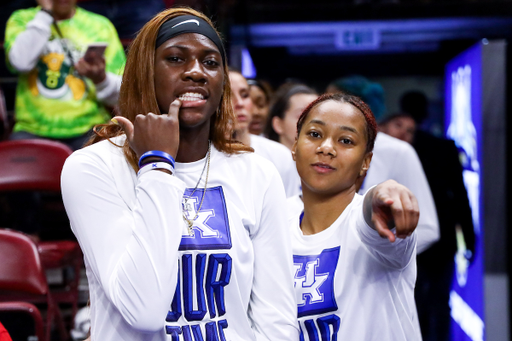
314,282
210,229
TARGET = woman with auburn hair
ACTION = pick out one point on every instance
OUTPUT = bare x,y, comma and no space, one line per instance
261,92
288,102
181,227
278,154
354,256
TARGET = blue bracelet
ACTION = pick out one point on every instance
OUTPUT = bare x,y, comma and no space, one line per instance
157,153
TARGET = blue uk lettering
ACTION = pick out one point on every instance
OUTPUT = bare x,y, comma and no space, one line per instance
210,229
326,328
188,284
200,289
215,288
214,331
310,283
314,282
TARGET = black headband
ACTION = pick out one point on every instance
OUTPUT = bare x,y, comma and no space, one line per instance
188,24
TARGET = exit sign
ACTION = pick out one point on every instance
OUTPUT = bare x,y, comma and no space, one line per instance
357,38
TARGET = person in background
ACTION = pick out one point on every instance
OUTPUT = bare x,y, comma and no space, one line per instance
354,255
401,126
289,101
372,93
440,160
261,92
394,159
273,151
128,16
287,105
61,94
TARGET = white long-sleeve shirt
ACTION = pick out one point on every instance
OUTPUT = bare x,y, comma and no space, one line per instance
351,284
30,44
232,277
281,157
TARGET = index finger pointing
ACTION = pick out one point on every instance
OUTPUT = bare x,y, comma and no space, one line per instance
382,229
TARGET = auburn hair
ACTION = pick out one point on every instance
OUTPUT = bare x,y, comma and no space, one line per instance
371,124
138,95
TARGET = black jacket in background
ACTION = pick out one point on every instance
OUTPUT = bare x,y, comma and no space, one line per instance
440,160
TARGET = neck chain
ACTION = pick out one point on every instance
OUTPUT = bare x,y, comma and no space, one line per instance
190,222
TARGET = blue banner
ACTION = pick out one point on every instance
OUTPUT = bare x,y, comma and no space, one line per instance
463,89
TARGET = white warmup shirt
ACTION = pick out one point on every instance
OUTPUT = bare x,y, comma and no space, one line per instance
397,160
281,157
351,284
150,280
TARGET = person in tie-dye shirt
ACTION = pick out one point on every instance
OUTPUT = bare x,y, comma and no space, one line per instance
60,95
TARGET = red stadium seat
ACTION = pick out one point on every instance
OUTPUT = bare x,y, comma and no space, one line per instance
22,277
31,165
36,165
27,309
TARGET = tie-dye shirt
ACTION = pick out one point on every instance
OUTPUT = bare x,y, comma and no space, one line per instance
51,99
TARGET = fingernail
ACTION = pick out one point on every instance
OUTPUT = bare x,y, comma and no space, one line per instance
114,121
176,102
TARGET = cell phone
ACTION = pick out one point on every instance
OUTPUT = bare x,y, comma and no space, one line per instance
97,49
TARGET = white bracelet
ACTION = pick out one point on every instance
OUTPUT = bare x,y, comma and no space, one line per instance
155,165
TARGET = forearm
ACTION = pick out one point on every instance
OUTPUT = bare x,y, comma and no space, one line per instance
107,91
28,45
131,245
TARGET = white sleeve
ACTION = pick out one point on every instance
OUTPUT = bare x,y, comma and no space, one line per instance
291,181
412,176
133,253
396,255
272,307
107,91
28,45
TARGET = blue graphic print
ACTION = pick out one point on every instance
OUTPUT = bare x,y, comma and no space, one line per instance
314,282
210,230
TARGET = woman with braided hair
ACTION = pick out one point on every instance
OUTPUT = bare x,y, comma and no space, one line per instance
181,227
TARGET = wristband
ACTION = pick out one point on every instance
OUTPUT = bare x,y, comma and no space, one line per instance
155,165
157,153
